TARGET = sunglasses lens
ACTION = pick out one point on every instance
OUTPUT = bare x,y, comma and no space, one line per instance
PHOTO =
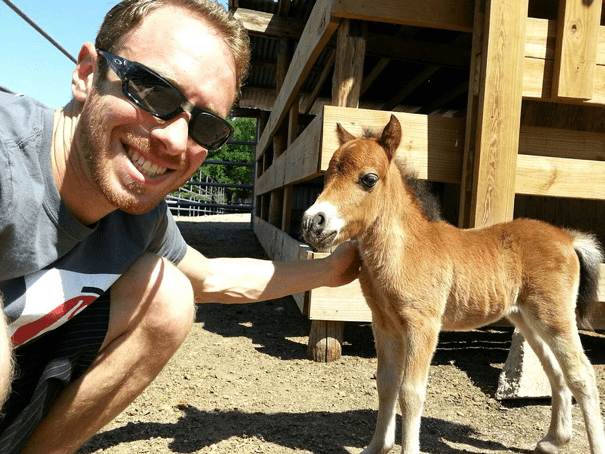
209,131
153,94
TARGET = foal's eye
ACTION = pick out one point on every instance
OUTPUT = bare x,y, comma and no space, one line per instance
369,180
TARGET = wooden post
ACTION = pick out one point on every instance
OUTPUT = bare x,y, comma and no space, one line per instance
280,140
325,339
490,158
498,114
576,49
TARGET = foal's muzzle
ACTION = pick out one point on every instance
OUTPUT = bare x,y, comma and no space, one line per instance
319,228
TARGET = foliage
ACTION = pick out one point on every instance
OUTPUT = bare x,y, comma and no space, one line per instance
244,130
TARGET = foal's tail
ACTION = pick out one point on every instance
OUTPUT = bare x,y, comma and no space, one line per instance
590,254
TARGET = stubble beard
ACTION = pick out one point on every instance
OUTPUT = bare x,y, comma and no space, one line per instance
126,195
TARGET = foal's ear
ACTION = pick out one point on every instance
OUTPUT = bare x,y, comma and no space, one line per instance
391,137
344,136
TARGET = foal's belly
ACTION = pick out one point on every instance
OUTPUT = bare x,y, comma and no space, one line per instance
460,316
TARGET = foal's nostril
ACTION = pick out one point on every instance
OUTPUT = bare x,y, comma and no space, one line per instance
318,222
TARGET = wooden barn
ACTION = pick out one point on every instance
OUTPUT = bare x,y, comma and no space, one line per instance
501,104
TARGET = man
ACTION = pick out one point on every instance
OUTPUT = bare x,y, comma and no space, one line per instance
83,223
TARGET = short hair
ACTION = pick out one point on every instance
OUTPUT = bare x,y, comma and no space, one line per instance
127,14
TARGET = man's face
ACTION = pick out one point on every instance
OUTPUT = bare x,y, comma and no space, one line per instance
132,158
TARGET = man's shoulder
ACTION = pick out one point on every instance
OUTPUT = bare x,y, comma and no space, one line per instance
22,117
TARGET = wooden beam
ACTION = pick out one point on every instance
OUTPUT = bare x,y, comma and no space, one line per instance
319,29
260,23
575,57
348,68
431,145
451,14
298,163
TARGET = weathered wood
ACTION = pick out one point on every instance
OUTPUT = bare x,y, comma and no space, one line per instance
297,164
318,31
451,15
325,340
348,68
286,217
575,57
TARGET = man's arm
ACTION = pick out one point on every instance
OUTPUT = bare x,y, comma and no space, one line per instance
244,280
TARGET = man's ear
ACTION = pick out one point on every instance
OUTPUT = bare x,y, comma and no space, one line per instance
84,74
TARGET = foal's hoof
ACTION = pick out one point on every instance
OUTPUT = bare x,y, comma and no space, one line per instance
546,447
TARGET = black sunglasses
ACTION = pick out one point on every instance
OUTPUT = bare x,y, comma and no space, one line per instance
156,95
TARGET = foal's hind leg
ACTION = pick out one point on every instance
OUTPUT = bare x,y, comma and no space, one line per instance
581,380
566,347
560,429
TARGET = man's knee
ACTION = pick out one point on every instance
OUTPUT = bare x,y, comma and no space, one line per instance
6,359
154,297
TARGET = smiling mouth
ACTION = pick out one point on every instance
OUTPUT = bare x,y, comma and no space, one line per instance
147,168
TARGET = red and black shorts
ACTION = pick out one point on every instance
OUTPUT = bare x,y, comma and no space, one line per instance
45,365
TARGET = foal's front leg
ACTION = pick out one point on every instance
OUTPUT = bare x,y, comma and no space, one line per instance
403,364
420,344
390,352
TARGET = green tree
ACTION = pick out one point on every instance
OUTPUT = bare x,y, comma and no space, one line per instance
244,130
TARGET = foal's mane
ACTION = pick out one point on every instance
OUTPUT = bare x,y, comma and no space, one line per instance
420,189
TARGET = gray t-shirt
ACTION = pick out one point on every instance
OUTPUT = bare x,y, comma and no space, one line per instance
51,265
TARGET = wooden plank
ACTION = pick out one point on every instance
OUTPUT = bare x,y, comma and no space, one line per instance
298,163
450,15
575,56
266,24
560,177
318,31
495,159
273,177
562,143
303,154
431,145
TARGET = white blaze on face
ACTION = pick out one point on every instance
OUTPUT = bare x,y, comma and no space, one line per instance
333,221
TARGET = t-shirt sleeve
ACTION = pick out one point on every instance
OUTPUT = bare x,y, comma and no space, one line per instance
168,241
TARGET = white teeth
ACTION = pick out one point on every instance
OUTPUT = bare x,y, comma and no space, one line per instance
144,166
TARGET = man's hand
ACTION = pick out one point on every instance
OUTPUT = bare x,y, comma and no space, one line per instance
345,262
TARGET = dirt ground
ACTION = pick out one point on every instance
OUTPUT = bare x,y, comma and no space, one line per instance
242,383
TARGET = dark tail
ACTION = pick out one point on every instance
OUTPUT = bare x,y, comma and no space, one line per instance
590,254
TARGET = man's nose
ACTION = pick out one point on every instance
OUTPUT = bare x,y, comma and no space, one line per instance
173,133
